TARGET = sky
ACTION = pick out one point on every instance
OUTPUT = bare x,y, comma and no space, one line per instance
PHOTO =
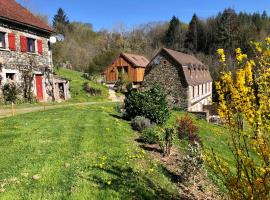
109,14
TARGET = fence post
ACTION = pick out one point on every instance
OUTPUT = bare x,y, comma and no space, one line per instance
12,109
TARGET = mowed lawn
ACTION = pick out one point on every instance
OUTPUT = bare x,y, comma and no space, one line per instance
82,152
76,86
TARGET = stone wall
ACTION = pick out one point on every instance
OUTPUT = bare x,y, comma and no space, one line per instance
168,74
17,61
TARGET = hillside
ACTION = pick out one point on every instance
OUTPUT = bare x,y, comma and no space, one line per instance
76,86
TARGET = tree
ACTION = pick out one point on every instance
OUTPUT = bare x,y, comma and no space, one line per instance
245,110
175,35
60,21
196,36
228,30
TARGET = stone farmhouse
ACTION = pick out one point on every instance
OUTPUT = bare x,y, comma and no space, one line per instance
130,64
185,79
25,44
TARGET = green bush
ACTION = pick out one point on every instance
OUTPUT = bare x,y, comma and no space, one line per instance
140,123
151,135
11,92
151,104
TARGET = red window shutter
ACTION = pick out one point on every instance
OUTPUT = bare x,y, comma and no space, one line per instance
40,46
12,41
23,41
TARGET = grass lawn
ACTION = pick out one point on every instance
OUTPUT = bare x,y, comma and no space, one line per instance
82,152
76,86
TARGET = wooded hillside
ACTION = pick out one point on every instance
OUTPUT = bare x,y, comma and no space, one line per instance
89,51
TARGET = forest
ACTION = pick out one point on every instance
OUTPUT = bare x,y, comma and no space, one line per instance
86,50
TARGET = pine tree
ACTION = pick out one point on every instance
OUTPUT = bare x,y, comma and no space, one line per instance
228,30
175,35
196,35
60,21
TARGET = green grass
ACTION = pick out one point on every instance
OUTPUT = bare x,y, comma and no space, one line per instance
76,86
82,152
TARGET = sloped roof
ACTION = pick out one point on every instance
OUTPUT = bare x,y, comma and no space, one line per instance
136,60
182,58
13,11
195,71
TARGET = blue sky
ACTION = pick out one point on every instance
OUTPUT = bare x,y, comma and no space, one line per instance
110,13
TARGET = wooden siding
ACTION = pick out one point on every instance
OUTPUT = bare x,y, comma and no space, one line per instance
136,74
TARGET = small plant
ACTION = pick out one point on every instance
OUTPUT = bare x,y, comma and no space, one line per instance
140,123
166,140
151,135
151,104
191,163
187,129
11,92
92,91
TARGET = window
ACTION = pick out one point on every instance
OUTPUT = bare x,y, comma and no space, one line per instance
126,69
198,90
2,40
193,92
31,45
202,88
10,76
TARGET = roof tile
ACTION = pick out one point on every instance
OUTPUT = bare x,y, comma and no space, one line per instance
13,11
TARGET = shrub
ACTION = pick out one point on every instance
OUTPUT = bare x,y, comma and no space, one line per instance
192,163
90,90
166,140
151,104
11,92
151,135
187,129
140,123
123,84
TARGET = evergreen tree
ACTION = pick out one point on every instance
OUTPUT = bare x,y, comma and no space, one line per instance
228,30
196,35
175,35
60,21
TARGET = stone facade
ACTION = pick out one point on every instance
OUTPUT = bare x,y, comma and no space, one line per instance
14,62
187,88
166,73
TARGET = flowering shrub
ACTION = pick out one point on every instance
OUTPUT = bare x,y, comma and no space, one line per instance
245,99
187,129
140,123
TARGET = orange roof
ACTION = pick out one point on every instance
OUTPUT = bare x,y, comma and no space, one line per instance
12,11
136,60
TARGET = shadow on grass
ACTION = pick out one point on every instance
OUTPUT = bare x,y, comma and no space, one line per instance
133,185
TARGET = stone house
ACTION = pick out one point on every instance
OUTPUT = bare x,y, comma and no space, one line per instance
24,47
185,79
132,65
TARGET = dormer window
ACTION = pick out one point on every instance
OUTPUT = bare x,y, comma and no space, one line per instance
2,40
31,45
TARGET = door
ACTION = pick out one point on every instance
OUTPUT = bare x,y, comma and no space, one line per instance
39,87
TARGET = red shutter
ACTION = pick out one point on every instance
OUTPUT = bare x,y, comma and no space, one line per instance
12,41
40,46
23,41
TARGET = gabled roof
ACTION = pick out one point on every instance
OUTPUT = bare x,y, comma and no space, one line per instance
12,11
195,71
136,60
182,58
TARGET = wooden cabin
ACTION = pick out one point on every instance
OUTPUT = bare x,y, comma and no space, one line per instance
131,64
